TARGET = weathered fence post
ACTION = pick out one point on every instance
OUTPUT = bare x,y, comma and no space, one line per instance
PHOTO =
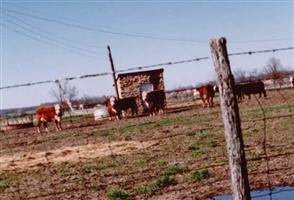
230,114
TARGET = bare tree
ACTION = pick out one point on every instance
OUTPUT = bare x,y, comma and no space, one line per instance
274,70
240,75
69,92
253,75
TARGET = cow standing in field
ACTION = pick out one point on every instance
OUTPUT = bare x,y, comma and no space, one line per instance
292,81
47,114
251,88
237,90
117,107
206,93
125,104
111,107
154,101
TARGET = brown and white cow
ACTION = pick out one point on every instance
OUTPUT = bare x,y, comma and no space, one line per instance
45,114
206,93
117,107
154,101
291,79
111,107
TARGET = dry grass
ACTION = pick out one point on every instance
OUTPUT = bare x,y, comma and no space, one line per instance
186,158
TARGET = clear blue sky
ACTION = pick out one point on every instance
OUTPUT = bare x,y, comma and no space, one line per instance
34,47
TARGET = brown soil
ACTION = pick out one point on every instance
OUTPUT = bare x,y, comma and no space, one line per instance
88,160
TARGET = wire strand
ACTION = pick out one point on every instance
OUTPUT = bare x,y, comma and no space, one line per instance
150,66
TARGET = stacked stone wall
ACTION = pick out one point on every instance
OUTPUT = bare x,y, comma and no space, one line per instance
130,84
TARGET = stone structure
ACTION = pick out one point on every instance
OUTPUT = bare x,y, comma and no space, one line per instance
132,84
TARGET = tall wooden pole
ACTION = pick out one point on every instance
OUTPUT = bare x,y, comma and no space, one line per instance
113,71
231,118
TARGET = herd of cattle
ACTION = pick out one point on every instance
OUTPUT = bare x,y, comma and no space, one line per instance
154,102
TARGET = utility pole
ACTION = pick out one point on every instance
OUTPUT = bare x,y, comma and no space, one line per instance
113,71
231,119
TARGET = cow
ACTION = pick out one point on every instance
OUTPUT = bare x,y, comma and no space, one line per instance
110,103
251,88
237,91
154,101
116,107
45,114
206,93
291,79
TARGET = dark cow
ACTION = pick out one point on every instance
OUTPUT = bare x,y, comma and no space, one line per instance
117,107
154,101
206,93
251,88
238,92
292,81
125,104
47,114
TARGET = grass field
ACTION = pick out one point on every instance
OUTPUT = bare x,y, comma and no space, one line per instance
180,154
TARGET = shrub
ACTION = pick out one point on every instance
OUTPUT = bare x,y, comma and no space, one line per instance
118,194
160,182
3,184
174,169
163,181
199,175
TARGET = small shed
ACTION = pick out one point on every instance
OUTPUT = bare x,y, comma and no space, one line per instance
134,83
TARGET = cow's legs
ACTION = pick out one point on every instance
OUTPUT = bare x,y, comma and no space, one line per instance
39,127
46,126
211,102
203,102
58,125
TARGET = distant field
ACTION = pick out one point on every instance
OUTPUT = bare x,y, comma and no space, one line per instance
180,154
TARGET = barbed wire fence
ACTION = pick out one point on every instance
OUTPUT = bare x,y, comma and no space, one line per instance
21,191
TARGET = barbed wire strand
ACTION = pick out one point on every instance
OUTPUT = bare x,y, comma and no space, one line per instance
146,67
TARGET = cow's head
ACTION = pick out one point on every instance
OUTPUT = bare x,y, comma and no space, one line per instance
196,92
112,101
215,88
144,95
58,110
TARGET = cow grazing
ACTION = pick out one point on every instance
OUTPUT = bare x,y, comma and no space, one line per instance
47,114
117,107
251,88
154,101
206,93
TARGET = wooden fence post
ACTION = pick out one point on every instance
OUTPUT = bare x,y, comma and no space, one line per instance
230,114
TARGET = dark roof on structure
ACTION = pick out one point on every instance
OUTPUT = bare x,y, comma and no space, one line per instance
140,72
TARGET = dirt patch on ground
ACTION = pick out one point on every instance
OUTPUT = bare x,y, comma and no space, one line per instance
23,161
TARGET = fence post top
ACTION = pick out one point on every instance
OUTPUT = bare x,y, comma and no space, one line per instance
219,40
